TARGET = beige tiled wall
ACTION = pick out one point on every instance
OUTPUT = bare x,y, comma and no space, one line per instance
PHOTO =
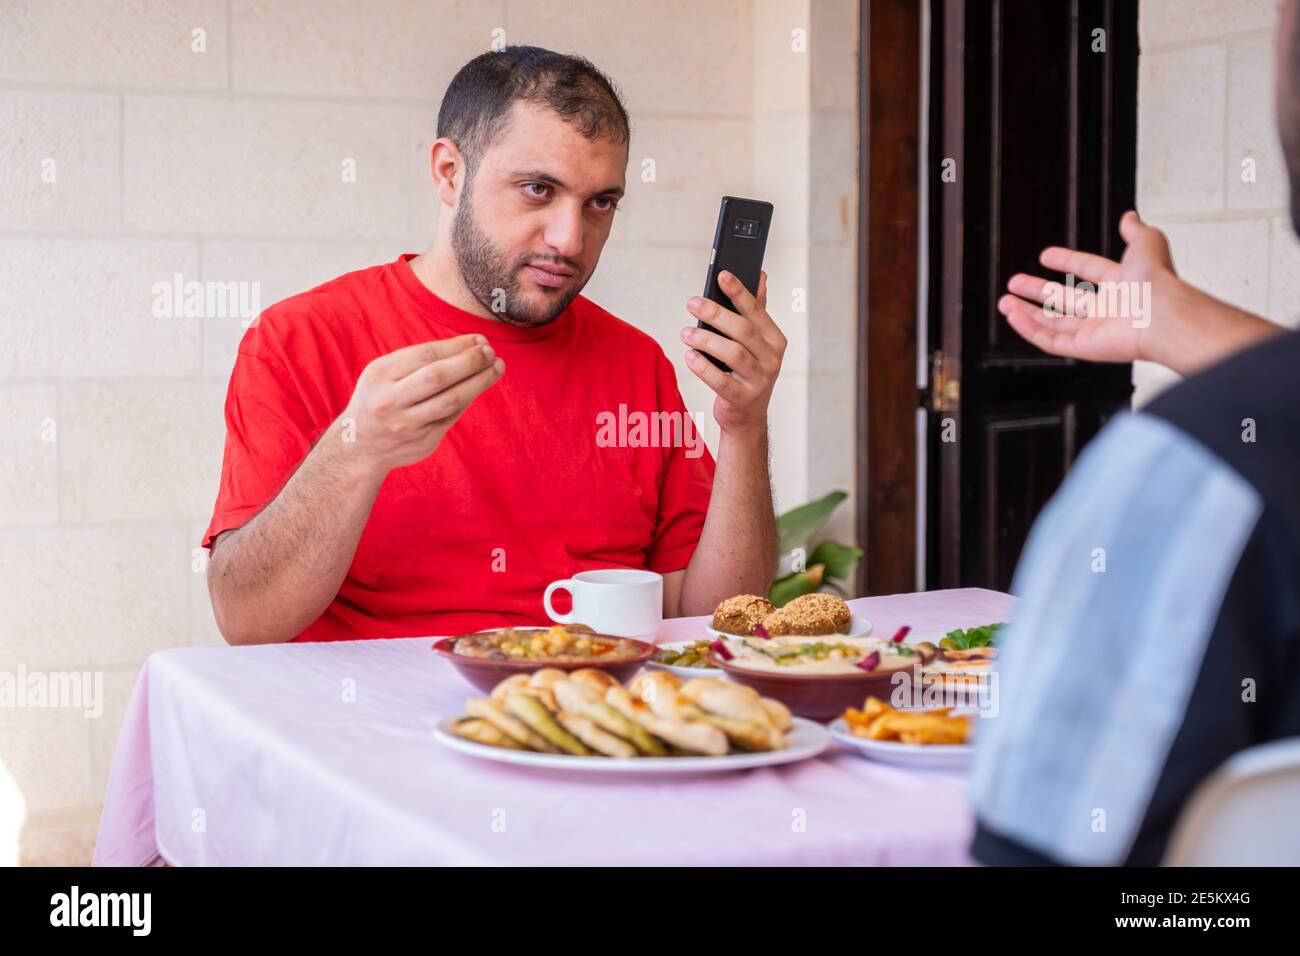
224,165
805,160
1205,105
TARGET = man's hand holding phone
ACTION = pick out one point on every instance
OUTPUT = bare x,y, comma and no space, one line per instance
404,402
751,344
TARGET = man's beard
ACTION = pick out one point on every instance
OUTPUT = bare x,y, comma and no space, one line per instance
493,279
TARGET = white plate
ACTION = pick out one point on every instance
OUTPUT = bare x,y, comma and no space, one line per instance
915,756
858,627
805,739
686,673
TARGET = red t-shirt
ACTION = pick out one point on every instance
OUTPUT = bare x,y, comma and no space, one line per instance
530,485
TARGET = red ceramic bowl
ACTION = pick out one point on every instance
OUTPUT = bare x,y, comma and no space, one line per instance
485,673
819,697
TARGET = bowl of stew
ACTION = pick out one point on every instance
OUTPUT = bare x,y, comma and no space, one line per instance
486,658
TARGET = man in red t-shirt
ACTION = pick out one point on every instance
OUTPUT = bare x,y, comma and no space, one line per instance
420,447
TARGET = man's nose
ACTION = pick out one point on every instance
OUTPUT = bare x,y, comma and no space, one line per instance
564,231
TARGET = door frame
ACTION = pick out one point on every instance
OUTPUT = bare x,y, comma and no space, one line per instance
889,234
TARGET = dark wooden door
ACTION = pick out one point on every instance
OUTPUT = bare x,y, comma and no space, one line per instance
1032,142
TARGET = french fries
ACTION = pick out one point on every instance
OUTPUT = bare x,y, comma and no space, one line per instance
587,713
878,721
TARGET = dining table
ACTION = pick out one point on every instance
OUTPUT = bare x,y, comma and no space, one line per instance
325,754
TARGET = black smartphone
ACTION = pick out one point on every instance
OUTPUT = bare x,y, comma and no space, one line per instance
738,244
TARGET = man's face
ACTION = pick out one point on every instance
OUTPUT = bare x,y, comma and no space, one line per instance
1288,98
534,215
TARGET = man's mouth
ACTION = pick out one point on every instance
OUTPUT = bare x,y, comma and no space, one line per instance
549,274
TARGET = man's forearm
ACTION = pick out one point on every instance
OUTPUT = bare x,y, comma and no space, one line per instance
736,553
1207,329
275,575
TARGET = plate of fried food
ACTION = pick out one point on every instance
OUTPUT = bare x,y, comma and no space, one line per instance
930,739
965,657
749,615
657,724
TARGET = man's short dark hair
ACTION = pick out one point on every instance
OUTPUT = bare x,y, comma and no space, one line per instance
478,100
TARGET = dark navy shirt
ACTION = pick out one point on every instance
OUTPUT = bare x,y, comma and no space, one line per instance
1158,627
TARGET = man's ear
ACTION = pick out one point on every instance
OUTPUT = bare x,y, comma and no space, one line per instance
448,169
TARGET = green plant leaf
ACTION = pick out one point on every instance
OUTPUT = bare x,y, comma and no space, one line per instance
840,559
797,526
796,585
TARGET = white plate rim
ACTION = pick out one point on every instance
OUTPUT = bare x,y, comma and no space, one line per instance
859,626
819,741
896,752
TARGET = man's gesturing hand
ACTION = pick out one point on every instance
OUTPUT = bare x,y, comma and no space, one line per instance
1085,325
1160,318
404,402
753,352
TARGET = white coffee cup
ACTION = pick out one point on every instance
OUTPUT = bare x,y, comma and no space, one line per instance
621,602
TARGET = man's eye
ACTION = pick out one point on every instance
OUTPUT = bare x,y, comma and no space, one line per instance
606,204
542,190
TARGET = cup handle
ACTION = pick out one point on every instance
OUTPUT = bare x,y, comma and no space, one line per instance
551,588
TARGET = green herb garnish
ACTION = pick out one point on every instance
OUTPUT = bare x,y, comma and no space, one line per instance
985,636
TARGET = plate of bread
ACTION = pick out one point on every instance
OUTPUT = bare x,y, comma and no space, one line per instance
656,724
